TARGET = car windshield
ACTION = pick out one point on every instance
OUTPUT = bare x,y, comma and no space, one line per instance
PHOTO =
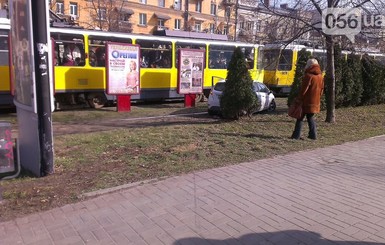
260,87
219,86
255,87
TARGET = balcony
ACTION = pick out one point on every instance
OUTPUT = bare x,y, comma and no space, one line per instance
73,17
161,28
229,2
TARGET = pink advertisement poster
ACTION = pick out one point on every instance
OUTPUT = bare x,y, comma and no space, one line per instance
123,71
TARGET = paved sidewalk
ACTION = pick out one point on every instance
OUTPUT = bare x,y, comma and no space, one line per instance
334,195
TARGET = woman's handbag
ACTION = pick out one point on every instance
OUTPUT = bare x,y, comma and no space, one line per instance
295,109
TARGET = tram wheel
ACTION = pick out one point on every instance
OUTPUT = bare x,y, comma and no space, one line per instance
97,100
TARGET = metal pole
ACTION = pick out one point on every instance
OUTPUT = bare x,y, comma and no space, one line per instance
228,15
185,26
99,16
236,20
43,92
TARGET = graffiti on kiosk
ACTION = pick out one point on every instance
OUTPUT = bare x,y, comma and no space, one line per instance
6,150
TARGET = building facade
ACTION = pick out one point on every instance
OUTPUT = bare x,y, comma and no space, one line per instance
241,20
148,16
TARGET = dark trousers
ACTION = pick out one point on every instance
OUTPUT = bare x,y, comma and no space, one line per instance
312,127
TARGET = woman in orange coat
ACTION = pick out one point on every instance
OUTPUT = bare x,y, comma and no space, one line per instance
310,95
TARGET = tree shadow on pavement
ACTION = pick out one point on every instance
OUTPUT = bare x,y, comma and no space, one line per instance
273,238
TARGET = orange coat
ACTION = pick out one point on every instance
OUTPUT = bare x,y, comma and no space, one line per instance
311,90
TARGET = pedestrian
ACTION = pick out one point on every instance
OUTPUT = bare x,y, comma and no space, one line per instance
71,52
310,93
101,57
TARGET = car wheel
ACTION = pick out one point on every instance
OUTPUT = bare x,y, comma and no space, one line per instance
272,106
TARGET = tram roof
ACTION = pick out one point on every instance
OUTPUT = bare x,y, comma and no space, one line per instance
192,35
147,37
284,46
5,23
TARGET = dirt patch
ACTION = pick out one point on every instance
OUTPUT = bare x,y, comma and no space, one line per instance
112,124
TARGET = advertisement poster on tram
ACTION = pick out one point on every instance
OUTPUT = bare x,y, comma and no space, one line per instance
123,70
190,75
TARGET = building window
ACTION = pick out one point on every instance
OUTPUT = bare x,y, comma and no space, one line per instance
213,9
250,25
143,1
161,3
178,4
228,13
242,25
142,19
102,13
74,9
160,23
198,6
212,28
59,7
177,24
198,26
258,26
125,17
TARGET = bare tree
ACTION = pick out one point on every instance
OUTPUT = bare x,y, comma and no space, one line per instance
304,25
108,15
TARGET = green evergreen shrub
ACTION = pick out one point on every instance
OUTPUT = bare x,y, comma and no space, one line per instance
373,81
381,82
238,98
352,81
303,56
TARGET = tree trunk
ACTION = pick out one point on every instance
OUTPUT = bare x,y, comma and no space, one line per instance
330,81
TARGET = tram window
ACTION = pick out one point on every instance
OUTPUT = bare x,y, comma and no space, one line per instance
285,60
97,50
69,49
248,52
4,50
220,56
277,59
155,54
179,45
270,61
3,43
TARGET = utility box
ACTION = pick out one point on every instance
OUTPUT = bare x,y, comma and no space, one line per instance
7,163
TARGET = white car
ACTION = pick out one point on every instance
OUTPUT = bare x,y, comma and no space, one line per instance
266,99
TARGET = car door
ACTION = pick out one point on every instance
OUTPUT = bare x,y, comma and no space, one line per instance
261,96
264,93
